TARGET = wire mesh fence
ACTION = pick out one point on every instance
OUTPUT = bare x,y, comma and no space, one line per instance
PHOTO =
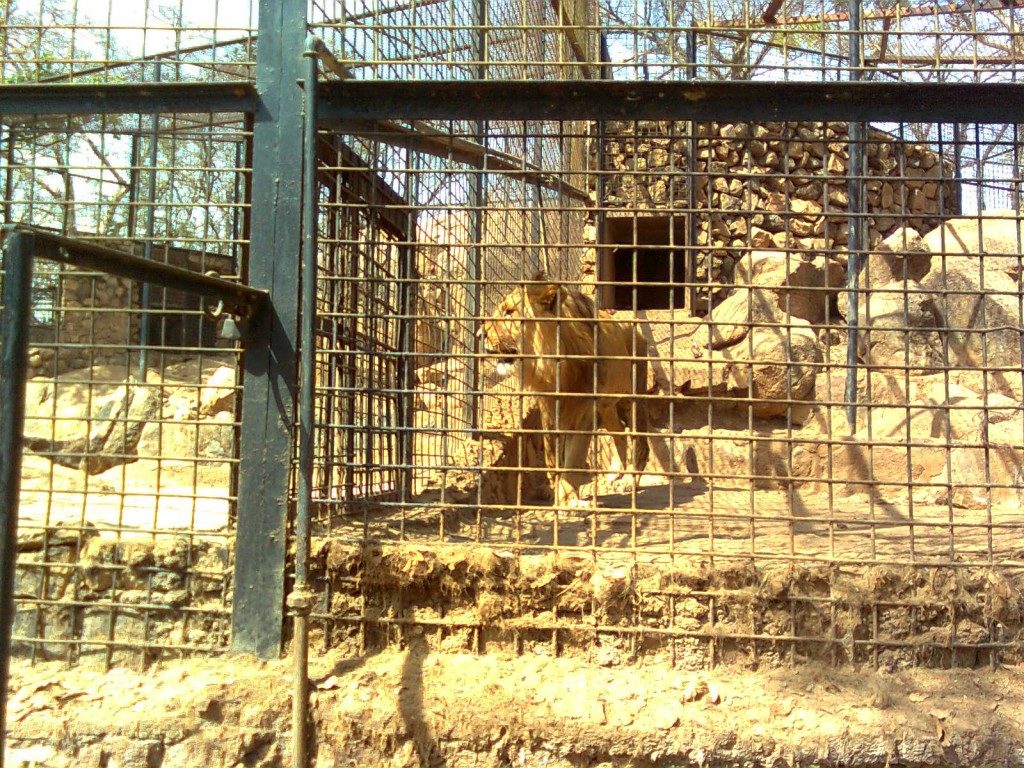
103,41
662,460
129,474
705,391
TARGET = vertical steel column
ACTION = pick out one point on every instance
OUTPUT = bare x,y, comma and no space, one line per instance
477,199
855,239
17,298
146,292
691,182
269,379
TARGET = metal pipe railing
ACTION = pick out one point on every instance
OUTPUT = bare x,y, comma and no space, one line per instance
239,300
300,600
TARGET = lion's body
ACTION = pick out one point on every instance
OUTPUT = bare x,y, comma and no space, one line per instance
585,370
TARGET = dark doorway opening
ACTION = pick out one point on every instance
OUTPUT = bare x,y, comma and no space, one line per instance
645,260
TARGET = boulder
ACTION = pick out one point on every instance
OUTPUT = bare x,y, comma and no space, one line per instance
731,320
980,311
218,392
209,438
963,415
114,434
801,286
772,366
959,437
999,235
898,326
672,336
901,256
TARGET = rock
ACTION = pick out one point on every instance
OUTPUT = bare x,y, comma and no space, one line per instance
114,437
218,393
211,438
801,287
672,336
180,405
999,235
963,415
900,256
731,320
980,312
899,326
122,443
959,436
761,238
772,366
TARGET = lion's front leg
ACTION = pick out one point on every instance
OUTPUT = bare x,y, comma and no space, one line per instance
552,458
552,444
575,452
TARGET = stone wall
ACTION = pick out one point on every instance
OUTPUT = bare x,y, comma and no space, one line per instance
169,592
96,317
80,336
769,185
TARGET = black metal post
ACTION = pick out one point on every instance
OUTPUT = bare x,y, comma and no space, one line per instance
270,365
17,297
691,182
855,239
146,293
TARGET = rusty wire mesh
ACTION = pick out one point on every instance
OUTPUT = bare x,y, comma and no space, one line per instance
128,488
765,527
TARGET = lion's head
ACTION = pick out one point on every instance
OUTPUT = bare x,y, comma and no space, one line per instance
523,326
508,333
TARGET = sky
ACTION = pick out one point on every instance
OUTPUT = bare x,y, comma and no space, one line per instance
144,28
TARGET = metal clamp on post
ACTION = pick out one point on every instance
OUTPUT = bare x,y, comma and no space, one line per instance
232,325
300,601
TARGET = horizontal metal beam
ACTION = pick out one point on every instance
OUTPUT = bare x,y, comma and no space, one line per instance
698,101
422,137
551,100
125,98
239,299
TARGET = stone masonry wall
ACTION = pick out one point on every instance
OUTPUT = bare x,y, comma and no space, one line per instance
84,336
169,592
770,185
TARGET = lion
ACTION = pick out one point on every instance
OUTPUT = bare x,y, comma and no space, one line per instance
584,369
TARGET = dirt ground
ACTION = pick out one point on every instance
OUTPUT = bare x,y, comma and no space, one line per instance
414,707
